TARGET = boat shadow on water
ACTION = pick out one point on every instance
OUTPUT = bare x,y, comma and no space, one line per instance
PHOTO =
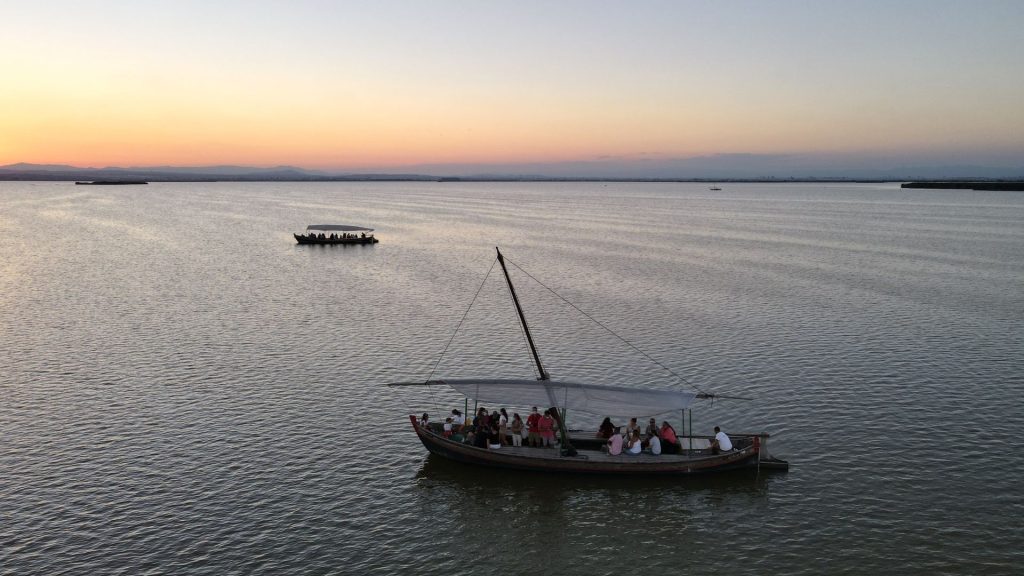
557,515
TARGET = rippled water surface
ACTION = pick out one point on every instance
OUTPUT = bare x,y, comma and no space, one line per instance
184,390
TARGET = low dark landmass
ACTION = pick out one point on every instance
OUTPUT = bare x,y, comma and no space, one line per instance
59,172
1012,186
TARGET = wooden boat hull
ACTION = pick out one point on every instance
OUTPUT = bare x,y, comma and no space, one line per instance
587,462
307,240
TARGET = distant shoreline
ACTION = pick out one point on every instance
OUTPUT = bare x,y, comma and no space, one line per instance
1015,186
27,172
30,173
995,186
991,185
709,181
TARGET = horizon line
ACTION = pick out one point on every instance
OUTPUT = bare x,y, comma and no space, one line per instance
756,171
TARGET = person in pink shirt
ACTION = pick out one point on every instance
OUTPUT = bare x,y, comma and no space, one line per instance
669,442
615,443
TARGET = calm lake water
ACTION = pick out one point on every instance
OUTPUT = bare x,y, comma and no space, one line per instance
184,390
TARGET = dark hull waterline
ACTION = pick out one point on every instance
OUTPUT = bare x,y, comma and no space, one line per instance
595,462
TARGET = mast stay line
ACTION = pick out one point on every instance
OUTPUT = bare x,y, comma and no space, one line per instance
529,337
463,319
613,333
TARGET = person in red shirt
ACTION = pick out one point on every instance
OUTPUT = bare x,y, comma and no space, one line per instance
547,430
533,428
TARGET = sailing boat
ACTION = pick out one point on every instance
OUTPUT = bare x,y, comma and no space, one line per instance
582,454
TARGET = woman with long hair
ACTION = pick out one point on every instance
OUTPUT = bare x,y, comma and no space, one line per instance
503,427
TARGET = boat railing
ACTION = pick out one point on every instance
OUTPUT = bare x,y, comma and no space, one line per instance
576,433
694,445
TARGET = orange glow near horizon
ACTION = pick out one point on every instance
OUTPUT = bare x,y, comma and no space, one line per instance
104,127
149,129
330,90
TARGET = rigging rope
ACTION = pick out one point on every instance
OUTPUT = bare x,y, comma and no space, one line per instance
610,331
463,319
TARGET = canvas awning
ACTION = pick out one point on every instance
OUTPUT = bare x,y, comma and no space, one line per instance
338,228
589,398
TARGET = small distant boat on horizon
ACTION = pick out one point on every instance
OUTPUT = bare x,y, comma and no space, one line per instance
336,234
715,188
111,183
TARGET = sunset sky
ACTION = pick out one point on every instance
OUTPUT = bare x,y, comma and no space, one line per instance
426,84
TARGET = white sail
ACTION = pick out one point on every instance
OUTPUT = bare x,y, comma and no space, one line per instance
589,398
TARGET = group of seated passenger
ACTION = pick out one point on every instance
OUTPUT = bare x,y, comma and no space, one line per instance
492,430
654,441
630,442
333,236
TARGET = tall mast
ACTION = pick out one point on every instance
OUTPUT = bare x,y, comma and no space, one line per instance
522,319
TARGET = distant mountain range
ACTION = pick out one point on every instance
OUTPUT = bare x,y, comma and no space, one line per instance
24,171
715,168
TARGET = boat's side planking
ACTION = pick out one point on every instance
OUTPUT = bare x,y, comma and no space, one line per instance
587,461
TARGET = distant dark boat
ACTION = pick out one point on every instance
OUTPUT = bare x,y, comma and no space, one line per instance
336,234
111,183
579,454
715,188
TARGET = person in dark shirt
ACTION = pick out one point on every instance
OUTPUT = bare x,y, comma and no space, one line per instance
652,430
481,436
493,440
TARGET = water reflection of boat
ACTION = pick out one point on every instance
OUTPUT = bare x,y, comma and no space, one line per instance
578,453
336,234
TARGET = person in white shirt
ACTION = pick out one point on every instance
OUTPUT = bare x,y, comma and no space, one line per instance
503,427
655,444
458,420
721,443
